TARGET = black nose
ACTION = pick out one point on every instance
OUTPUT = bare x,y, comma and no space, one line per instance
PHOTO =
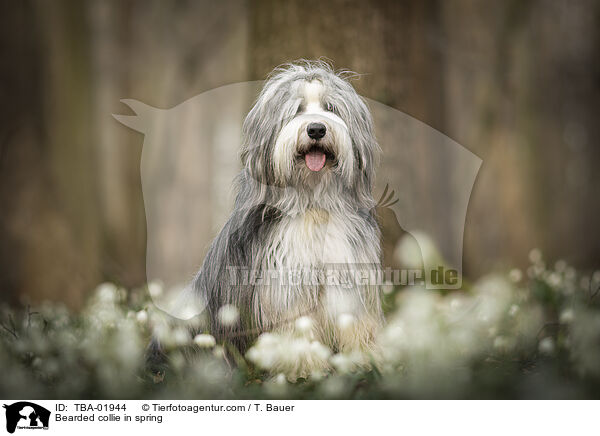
316,130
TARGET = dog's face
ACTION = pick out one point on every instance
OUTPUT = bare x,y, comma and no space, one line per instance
316,141
308,127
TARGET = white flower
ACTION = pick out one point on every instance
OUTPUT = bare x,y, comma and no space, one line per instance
204,341
304,324
546,346
316,375
280,379
228,315
345,321
342,363
253,355
265,352
515,275
321,351
267,340
142,316
155,288
566,316
298,348
535,255
554,279
106,292
560,265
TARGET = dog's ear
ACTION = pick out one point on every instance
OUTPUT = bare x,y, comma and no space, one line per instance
366,148
258,134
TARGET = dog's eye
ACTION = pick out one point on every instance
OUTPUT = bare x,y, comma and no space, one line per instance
329,107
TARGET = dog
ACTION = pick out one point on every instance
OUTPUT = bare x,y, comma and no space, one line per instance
304,204
304,226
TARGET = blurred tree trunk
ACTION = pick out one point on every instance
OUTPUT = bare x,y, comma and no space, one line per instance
49,159
521,80
71,198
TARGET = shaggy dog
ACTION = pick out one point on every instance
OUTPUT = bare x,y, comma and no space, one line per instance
304,220
302,241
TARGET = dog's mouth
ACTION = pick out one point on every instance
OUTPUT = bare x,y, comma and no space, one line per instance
316,157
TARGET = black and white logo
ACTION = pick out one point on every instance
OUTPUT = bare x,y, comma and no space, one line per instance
26,415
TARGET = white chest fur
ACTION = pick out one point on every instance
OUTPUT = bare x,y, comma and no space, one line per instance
305,254
313,239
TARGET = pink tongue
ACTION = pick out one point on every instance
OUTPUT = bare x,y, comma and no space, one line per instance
315,160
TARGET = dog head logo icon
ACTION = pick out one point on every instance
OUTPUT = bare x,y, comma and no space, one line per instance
26,415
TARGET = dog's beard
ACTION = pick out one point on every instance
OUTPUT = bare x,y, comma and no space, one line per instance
304,163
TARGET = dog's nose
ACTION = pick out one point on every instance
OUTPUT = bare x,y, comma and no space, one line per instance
316,130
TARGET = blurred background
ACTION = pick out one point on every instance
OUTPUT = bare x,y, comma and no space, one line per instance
515,82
